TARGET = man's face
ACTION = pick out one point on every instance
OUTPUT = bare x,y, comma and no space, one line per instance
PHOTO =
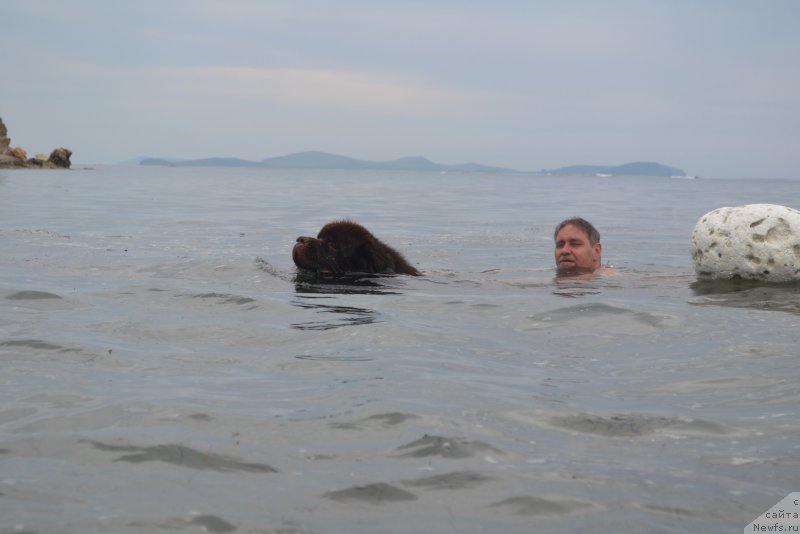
573,251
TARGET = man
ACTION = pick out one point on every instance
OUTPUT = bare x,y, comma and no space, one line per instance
578,247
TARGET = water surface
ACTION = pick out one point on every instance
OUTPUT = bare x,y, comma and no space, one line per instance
163,369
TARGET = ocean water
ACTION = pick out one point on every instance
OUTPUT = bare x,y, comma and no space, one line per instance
162,369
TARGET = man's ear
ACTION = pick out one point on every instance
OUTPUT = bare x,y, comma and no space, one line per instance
598,249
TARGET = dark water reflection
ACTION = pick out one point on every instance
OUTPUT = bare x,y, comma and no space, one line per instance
347,284
571,287
183,456
747,294
343,315
576,288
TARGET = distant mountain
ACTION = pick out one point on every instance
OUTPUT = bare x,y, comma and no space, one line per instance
207,162
134,161
323,160
638,168
313,160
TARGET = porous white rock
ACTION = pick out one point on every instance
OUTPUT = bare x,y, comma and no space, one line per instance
753,242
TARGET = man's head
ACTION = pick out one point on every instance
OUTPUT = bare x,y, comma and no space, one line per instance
578,246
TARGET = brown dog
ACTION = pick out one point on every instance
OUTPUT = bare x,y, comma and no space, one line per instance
344,246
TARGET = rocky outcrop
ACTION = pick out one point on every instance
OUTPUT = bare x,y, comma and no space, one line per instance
18,152
5,141
60,158
18,157
754,242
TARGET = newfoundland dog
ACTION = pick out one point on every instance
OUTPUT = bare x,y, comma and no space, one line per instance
347,247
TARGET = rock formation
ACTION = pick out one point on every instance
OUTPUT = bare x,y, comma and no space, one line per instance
18,157
4,139
60,157
754,242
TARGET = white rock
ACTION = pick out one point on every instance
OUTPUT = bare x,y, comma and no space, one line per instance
754,242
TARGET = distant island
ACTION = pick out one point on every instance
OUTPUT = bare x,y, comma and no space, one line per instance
638,168
324,160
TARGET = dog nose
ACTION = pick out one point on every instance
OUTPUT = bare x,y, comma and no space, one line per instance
301,239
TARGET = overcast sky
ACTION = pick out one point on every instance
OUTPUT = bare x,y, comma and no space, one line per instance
710,86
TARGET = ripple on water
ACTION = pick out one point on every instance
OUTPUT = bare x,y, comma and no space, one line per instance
629,425
626,425
37,300
225,298
598,316
372,493
445,447
32,295
545,506
451,481
183,456
36,344
385,420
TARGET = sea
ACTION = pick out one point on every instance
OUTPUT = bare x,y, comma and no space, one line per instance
163,368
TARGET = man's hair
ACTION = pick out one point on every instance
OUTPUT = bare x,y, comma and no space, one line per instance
583,224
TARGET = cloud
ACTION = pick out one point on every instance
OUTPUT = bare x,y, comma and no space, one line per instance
322,89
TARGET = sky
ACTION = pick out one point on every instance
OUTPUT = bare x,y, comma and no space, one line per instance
709,86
